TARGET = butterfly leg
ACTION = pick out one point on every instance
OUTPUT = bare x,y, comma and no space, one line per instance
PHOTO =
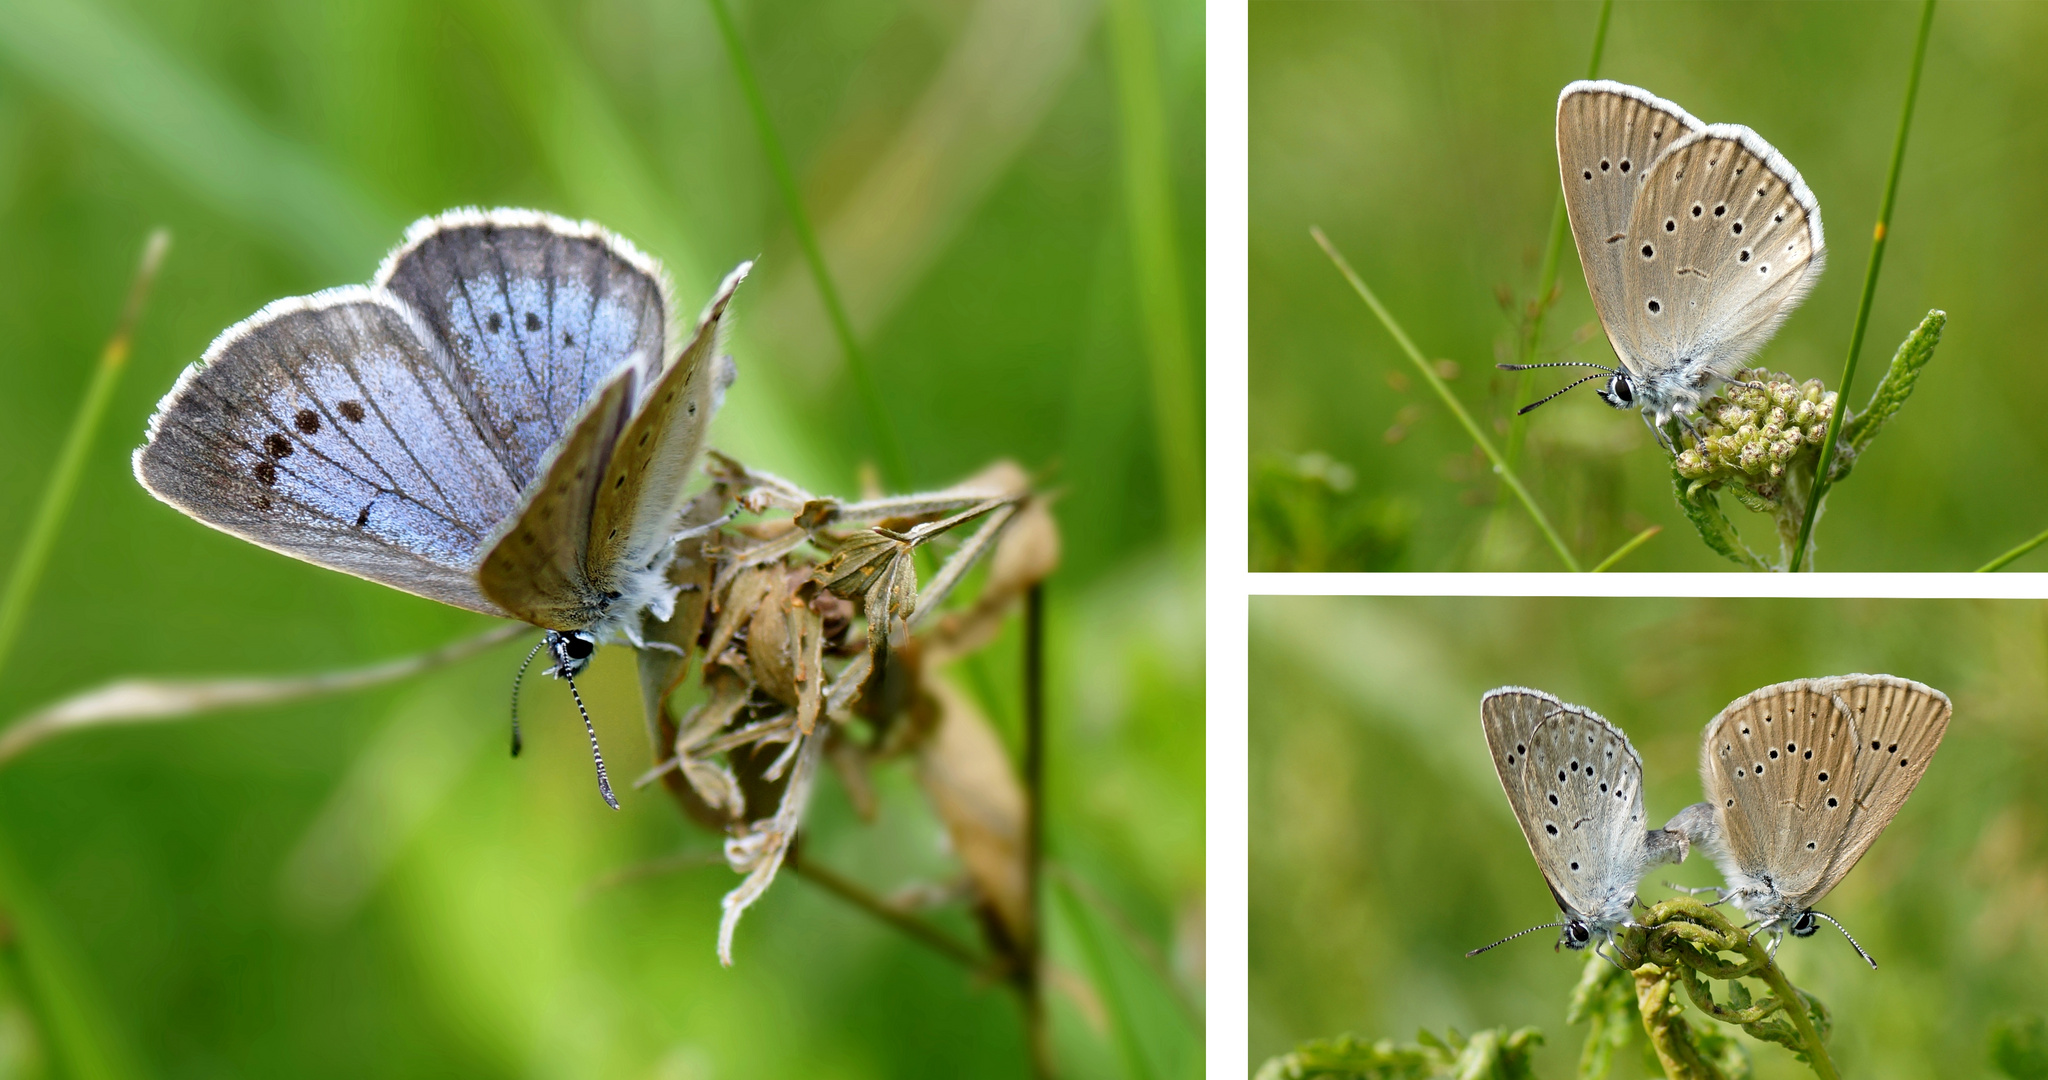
1720,895
1606,956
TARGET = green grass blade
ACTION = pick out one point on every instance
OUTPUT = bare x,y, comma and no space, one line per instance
200,136
63,486
893,463
2001,562
1500,466
1148,197
1622,552
1877,241
1546,282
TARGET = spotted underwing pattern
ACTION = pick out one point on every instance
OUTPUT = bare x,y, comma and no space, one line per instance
1800,779
1697,240
1575,785
458,428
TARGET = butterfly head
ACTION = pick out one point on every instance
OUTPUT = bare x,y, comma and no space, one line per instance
1619,391
570,652
1805,925
1575,935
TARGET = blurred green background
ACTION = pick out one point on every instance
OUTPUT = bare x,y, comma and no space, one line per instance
1009,195
1383,848
1421,137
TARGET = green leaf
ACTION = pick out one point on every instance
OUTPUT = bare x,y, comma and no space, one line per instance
2019,1047
1704,511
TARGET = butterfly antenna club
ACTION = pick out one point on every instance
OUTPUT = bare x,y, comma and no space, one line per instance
1851,937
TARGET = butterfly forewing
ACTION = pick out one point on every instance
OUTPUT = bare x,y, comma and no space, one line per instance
1574,783
1778,765
1899,724
1608,135
327,429
1723,242
535,312
643,483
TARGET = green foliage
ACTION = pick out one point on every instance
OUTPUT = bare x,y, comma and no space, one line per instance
1892,392
2019,1046
1306,514
1604,999
1494,1054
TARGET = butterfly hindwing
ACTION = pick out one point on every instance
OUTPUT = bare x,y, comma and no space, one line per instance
328,429
535,311
1778,764
1577,794
1723,242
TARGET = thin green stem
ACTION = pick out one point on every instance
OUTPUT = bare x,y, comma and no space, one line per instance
1500,466
2000,562
800,222
1546,282
1795,1007
1621,552
1877,242
1148,199
63,484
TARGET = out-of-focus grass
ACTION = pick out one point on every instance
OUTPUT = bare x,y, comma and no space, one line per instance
1382,847
365,884
1420,137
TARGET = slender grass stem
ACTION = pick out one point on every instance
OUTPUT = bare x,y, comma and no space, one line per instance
2001,562
1877,242
1148,198
1546,281
891,453
1500,466
63,483
1622,552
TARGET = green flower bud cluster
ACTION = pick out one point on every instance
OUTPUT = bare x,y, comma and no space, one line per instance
1754,435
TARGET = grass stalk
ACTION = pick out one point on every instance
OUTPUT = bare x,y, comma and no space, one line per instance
2001,562
1877,242
63,483
893,462
1622,552
1500,466
1148,198
1546,281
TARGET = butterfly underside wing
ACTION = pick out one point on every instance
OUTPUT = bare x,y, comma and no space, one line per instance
326,428
1798,789
1723,242
1608,134
1575,785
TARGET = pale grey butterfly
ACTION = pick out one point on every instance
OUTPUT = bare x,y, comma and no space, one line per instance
502,420
1575,785
1697,241
1800,778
